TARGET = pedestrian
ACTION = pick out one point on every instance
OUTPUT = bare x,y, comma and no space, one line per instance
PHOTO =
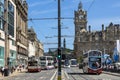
2,71
20,66
12,69
23,66
97,64
6,71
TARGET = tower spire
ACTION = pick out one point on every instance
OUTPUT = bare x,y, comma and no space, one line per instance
64,43
80,6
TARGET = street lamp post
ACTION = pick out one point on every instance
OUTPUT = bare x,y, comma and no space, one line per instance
6,34
59,41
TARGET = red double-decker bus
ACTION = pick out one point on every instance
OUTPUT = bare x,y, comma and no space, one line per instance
92,62
34,65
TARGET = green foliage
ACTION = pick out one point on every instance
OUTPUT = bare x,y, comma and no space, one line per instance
80,59
68,50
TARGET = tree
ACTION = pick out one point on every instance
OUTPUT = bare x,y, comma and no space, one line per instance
80,59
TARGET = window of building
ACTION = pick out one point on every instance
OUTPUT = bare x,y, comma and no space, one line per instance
0,52
1,10
13,42
2,1
12,54
1,7
10,8
1,14
1,24
11,19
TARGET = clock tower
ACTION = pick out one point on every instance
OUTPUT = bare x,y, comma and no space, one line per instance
80,20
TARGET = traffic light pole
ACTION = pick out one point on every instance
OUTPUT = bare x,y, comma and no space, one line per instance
59,41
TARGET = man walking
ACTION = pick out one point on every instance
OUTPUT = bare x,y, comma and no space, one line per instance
2,71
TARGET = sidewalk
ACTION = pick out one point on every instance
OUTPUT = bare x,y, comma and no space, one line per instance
12,74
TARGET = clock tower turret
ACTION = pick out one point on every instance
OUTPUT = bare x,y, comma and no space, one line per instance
80,19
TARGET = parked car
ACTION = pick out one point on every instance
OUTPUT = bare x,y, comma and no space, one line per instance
67,64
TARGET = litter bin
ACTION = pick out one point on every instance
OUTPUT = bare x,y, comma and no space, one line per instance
6,72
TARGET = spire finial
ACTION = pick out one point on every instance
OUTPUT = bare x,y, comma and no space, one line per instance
64,45
80,6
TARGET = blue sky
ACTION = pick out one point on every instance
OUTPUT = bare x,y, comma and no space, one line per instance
101,12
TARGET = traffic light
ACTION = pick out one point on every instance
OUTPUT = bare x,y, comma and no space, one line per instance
59,53
59,56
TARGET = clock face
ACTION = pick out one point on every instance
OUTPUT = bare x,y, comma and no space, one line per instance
81,16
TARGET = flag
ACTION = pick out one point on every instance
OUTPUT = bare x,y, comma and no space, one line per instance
115,55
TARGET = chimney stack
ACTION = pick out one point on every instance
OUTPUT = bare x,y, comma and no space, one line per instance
89,28
102,27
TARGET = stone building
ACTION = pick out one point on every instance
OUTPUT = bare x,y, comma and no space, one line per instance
85,40
14,33
40,49
35,46
22,28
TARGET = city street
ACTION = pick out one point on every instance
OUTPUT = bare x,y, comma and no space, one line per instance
43,75
73,73
77,74
59,39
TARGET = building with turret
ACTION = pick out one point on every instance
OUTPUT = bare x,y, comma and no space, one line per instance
104,40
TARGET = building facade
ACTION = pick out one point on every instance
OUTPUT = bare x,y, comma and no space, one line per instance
21,28
14,43
35,46
2,34
85,40
40,49
31,49
7,33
